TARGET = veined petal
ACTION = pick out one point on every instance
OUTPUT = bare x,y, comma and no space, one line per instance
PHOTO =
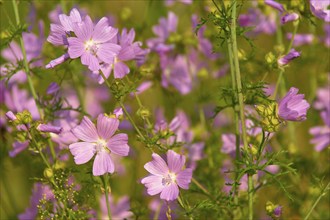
82,151
91,61
86,131
154,184
120,70
76,47
157,166
107,51
106,126
175,161
84,30
103,164
118,144
103,32
183,178
170,192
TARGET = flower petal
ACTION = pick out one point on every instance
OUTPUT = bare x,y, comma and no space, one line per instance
76,47
170,192
103,164
107,51
120,70
183,178
157,166
118,144
103,32
82,151
154,184
84,30
90,61
86,131
175,161
106,126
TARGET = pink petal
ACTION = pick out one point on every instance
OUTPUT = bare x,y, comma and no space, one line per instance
183,178
86,131
106,126
76,47
103,32
82,151
120,70
107,51
170,192
90,61
84,31
118,144
103,164
175,161
157,166
154,184
126,53
75,15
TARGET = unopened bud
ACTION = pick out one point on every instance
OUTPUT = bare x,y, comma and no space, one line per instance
48,173
24,117
270,58
11,116
143,112
49,128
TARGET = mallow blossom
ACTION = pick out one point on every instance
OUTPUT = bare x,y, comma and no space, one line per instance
293,106
167,176
100,141
119,209
293,54
320,8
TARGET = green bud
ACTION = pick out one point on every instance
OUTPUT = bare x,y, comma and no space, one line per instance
24,117
241,54
270,58
270,120
126,13
270,207
48,173
143,112
253,150
203,73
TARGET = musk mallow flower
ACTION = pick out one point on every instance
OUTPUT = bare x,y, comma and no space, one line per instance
321,134
119,209
293,54
293,107
101,141
301,39
320,8
167,176
276,5
93,43
289,17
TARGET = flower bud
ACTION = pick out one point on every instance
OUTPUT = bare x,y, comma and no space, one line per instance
24,117
49,128
143,112
270,121
11,116
48,173
57,61
293,54
289,17
270,58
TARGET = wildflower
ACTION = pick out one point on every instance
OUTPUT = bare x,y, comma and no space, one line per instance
53,88
167,176
320,9
289,17
293,54
163,30
321,134
258,21
101,141
293,107
58,61
119,210
300,39
275,5
49,128
40,191
92,43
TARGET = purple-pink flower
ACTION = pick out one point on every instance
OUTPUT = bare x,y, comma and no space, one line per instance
320,8
167,176
119,210
92,43
293,107
293,54
100,140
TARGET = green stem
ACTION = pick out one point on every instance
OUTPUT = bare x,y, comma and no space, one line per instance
27,71
240,99
105,182
200,186
250,195
323,193
123,107
63,5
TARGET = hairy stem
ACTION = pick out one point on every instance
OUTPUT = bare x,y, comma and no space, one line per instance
105,182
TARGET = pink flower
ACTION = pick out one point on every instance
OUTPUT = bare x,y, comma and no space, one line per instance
99,140
166,177
92,43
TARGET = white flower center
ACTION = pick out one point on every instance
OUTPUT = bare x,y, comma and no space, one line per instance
101,145
91,46
169,179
